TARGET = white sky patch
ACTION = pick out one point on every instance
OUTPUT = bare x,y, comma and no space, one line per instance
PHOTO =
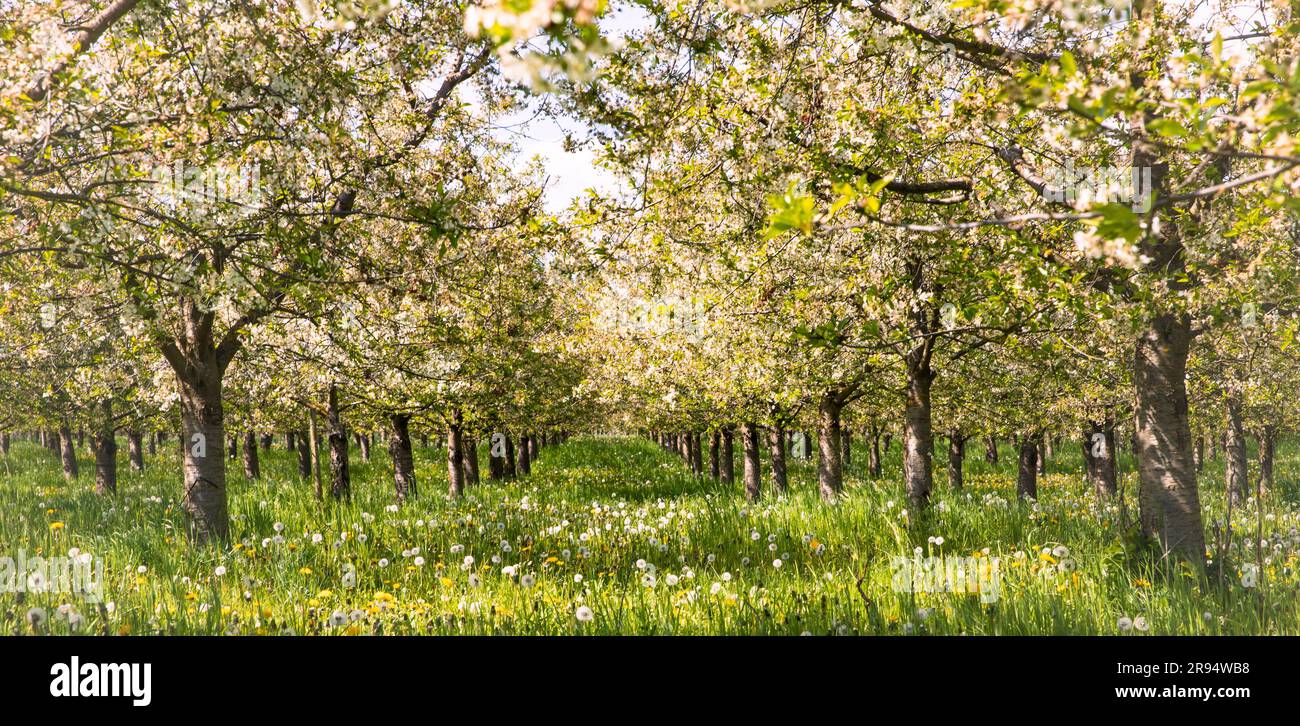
570,172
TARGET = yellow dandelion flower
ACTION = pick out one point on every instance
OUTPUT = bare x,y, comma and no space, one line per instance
304,571
56,526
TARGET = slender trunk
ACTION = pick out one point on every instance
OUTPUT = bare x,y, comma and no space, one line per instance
399,451
252,468
1164,438
104,441
830,475
918,440
135,450
873,455
313,434
1235,475
470,458
304,456
67,453
727,458
340,478
455,456
533,452
523,464
363,442
715,446
154,440
991,449
1043,452
1027,474
956,457
1267,453
776,452
508,466
496,457
697,454
753,475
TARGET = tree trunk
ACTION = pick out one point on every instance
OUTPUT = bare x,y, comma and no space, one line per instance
340,478
753,475
956,457
1164,438
135,450
363,442
873,455
1267,453
68,453
508,466
776,452
918,439
304,456
830,475
727,458
1099,458
1027,474
1235,475
104,441
991,449
715,446
455,456
523,464
533,451
313,444
697,454
154,439
252,468
399,451
1043,452
496,456
470,458
203,434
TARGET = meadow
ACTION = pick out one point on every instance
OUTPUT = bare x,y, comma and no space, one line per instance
614,536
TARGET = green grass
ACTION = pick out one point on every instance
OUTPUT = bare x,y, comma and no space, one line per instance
593,508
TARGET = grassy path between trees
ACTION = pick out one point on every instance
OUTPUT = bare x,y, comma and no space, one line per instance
614,536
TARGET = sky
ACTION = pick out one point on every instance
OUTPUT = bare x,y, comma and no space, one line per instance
570,173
